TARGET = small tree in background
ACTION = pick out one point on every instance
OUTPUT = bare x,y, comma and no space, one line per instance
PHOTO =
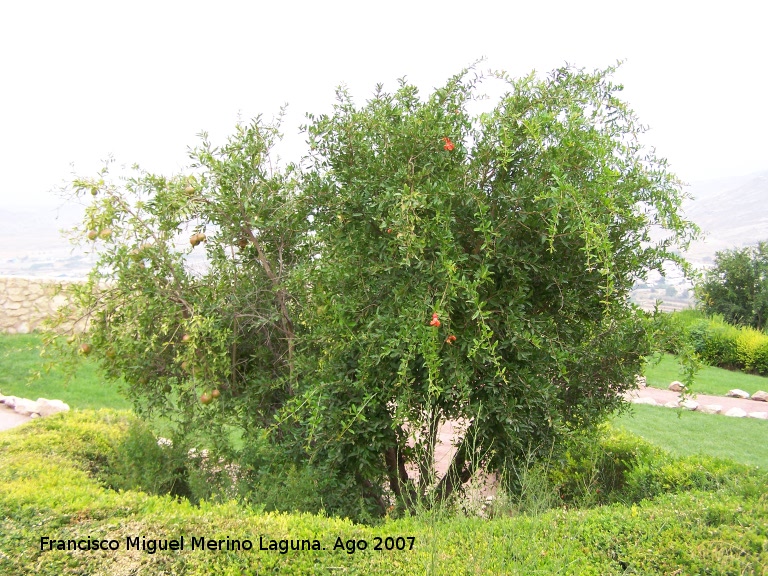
737,286
424,265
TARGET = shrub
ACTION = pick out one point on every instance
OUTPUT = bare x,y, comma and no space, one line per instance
661,474
614,466
748,344
593,469
720,348
138,462
44,490
424,264
760,356
272,480
716,342
683,319
696,333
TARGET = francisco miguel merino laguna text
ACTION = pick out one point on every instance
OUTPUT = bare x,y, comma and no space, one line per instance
152,545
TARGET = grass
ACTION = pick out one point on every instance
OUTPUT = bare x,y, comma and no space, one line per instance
22,373
709,380
685,433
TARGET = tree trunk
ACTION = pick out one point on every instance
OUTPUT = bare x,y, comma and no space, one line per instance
459,472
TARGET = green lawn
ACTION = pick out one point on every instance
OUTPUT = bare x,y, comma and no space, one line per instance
686,433
709,380
20,360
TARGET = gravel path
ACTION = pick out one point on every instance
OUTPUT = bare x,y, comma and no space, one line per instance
664,396
10,418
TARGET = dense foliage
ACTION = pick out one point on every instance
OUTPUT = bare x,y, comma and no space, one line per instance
736,287
718,343
424,264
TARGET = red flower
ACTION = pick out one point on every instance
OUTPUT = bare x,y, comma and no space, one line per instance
448,144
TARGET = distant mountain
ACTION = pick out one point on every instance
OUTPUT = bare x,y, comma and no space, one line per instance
31,243
733,212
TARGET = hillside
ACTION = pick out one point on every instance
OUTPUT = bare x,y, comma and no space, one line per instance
31,243
732,213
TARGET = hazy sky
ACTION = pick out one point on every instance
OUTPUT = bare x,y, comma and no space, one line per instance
138,80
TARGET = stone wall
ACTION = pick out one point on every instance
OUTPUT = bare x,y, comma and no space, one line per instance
26,302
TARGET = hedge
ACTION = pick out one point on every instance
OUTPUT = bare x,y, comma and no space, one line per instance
54,483
721,344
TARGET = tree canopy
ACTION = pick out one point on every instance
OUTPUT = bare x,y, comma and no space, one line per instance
422,264
737,286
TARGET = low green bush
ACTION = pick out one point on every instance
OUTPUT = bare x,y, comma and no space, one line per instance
274,482
650,478
50,487
616,466
683,319
117,450
718,343
138,462
760,356
748,343
593,468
